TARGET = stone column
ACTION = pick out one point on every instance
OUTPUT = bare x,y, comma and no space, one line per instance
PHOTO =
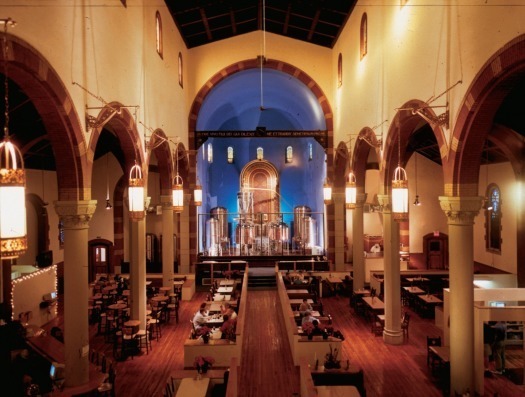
137,271
184,236
167,241
358,244
461,212
339,231
392,333
75,216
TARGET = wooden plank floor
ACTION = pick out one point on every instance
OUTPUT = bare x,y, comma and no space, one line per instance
268,368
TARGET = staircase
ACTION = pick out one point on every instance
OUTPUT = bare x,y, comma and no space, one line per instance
262,278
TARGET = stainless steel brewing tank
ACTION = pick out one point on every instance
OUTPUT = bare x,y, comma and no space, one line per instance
221,214
310,232
244,233
278,231
299,213
212,236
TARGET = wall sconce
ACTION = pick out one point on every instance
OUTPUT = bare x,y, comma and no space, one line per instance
13,227
136,193
197,194
351,191
327,192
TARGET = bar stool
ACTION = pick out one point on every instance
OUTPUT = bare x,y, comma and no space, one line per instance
154,326
143,340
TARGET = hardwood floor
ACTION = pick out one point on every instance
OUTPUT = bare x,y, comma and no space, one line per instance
267,368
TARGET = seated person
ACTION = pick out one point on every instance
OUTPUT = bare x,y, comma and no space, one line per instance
57,333
228,327
287,279
308,317
199,320
304,307
317,330
227,310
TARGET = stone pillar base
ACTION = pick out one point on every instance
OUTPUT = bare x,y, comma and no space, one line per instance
393,337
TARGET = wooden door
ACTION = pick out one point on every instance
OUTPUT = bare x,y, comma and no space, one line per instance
435,247
100,258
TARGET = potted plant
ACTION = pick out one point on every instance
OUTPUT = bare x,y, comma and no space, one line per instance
331,361
202,364
204,333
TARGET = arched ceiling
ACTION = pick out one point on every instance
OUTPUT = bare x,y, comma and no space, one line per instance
235,104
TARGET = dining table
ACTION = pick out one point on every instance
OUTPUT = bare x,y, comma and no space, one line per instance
414,290
337,391
374,303
225,290
193,387
227,283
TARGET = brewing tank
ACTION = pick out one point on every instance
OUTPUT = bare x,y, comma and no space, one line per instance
299,213
244,233
212,236
278,231
221,215
310,232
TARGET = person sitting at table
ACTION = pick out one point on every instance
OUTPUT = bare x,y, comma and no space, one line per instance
308,317
287,279
304,307
199,320
316,330
228,327
227,310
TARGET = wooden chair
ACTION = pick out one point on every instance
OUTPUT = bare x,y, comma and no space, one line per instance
404,323
376,327
432,360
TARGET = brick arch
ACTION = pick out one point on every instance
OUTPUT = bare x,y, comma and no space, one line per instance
341,166
159,144
123,125
475,116
402,126
362,151
43,86
285,68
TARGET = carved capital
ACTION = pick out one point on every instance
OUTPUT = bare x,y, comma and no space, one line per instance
166,202
384,202
460,210
75,214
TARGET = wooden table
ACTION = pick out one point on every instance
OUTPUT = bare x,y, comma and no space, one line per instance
314,313
299,301
297,291
430,299
214,308
414,290
165,290
226,283
374,303
334,280
117,306
442,352
160,298
220,298
225,290
134,324
416,279
337,391
191,387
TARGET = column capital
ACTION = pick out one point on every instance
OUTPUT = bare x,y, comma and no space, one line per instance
166,202
338,198
75,214
384,202
360,199
460,210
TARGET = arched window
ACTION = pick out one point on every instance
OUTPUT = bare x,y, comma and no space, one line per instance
340,70
181,81
230,155
210,153
289,154
493,219
260,153
310,152
158,31
363,39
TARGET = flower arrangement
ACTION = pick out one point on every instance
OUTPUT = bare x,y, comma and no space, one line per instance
204,332
230,273
331,361
307,327
203,363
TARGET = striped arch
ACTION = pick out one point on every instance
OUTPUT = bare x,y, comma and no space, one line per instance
43,86
282,67
475,117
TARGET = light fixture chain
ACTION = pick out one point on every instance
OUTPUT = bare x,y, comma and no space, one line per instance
6,82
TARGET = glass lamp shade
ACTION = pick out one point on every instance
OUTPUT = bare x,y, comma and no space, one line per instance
400,195
136,193
351,192
178,194
327,193
197,195
13,226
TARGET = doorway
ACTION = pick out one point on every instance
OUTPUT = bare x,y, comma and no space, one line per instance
100,258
